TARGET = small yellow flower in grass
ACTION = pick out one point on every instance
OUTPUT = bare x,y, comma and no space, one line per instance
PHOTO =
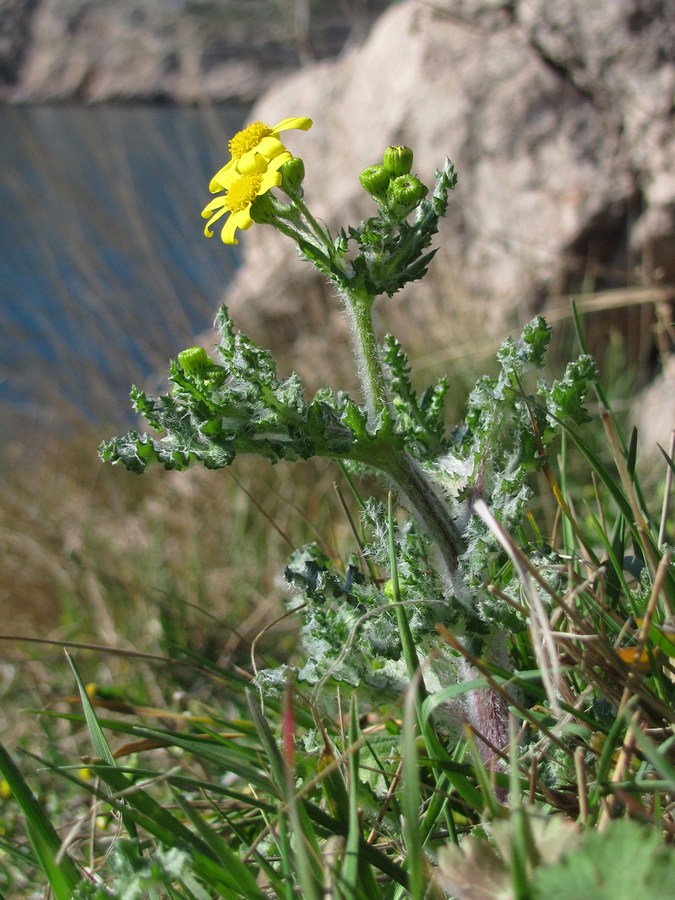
257,139
241,191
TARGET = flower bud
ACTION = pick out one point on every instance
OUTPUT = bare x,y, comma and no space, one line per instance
195,361
263,210
388,590
292,175
404,194
375,179
398,160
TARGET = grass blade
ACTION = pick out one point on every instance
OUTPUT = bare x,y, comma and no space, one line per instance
411,799
101,747
60,870
350,868
278,774
226,874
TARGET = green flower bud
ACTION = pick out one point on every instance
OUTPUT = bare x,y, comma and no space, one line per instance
404,194
263,210
195,361
292,176
388,591
375,179
398,160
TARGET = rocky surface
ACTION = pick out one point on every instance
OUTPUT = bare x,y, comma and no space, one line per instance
559,120
93,51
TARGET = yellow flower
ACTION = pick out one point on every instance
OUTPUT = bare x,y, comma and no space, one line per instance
257,139
241,190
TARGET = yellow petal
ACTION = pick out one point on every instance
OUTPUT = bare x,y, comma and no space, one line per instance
303,123
207,228
212,205
275,164
229,229
266,149
240,219
638,660
269,180
254,163
220,179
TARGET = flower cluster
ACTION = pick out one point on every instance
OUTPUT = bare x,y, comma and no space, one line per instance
391,184
257,155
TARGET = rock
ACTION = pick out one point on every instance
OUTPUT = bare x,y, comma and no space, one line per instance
15,18
654,418
95,51
622,57
557,117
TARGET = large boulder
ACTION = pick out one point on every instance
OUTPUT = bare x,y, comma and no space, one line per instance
557,117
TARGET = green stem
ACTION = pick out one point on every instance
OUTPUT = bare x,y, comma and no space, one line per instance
490,714
373,382
407,475
290,232
431,509
323,234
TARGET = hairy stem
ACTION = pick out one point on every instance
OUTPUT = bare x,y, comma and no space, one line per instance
407,475
373,382
429,507
486,709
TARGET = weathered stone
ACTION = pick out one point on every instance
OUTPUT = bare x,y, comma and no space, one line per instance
621,55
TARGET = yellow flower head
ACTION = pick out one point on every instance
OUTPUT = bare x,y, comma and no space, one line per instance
256,140
240,192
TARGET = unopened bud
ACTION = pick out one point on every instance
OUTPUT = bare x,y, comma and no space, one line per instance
375,179
398,160
263,210
195,361
292,175
405,193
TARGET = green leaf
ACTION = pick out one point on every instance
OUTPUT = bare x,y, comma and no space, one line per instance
624,862
240,407
225,873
